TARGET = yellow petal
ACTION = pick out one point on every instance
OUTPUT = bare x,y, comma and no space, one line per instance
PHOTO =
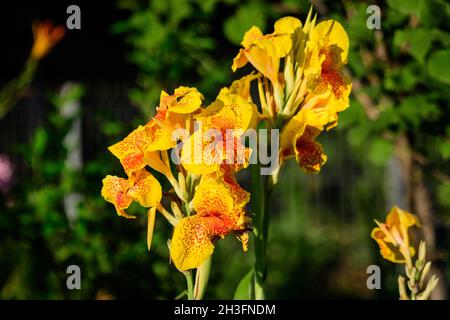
160,131
150,226
130,151
279,43
401,220
387,250
287,25
212,195
398,217
239,61
328,51
251,36
241,86
192,238
309,154
242,110
263,62
114,190
218,203
289,134
197,157
240,196
191,243
153,159
146,190
187,100
333,34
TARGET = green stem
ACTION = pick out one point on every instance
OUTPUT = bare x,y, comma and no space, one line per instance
261,194
13,91
190,284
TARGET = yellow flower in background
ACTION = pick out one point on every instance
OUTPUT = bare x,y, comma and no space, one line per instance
46,36
212,145
265,51
141,187
219,205
392,236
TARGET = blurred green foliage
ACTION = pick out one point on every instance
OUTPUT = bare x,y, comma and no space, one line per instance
319,243
404,70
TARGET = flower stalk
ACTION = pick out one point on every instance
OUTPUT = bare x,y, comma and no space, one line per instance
394,242
190,284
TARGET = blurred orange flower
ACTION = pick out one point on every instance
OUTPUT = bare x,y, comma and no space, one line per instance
46,36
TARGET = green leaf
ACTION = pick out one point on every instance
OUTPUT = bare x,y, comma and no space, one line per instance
245,17
355,32
358,134
443,194
380,151
416,42
439,66
40,141
444,149
352,116
207,6
441,36
245,288
432,12
416,108
405,7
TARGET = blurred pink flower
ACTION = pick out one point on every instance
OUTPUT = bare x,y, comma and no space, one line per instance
6,173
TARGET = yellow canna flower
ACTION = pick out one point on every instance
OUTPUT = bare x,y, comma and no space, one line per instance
171,115
219,205
392,236
328,52
229,116
321,94
297,139
184,100
265,51
46,36
143,145
141,187
133,156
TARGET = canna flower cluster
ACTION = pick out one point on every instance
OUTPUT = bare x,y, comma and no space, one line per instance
206,201
301,83
393,239
198,148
